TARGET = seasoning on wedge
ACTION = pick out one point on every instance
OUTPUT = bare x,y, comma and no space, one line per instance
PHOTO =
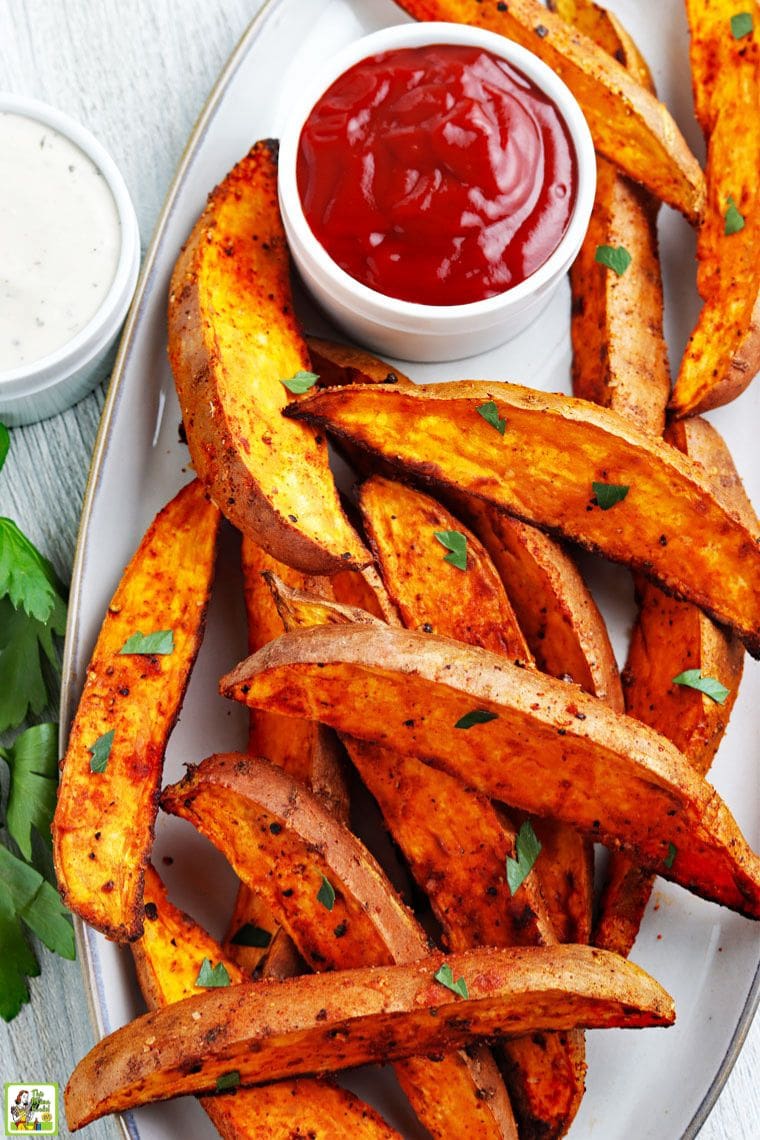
552,750
267,1031
285,844
723,353
233,340
542,470
166,958
668,637
107,799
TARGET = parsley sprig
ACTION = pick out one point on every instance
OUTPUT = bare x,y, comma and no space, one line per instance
32,616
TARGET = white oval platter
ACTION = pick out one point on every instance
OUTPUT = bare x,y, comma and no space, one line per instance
642,1085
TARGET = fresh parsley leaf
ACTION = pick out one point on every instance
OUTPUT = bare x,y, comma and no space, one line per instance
445,975
456,543
211,977
490,414
326,894
734,220
607,494
616,258
693,679
250,935
26,577
100,751
527,849
23,642
741,25
301,382
5,443
26,897
33,763
161,642
477,716
670,857
228,1081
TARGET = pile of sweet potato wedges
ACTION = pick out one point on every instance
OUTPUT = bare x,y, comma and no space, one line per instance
435,638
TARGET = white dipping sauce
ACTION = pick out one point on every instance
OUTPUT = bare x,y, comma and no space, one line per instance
60,240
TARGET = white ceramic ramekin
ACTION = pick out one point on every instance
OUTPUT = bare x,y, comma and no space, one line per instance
47,386
405,329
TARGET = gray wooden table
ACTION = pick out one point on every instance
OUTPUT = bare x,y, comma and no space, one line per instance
137,74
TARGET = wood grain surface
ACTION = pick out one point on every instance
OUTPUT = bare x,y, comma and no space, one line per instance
137,74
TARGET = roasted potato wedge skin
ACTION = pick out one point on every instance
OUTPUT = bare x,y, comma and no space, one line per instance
168,958
103,824
550,750
325,1022
669,637
723,352
401,524
560,619
285,844
627,123
660,527
233,339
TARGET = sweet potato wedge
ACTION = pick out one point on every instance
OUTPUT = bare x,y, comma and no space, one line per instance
620,358
619,354
628,124
233,340
668,638
669,524
560,619
111,773
338,363
549,748
168,958
606,30
401,525
723,352
264,1031
291,850
305,749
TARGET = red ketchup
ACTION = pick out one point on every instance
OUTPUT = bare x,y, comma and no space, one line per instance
437,174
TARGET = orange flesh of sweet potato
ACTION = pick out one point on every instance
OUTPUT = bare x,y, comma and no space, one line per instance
620,357
285,844
451,837
561,621
103,825
619,354
168,958
429,592
668,638
305,749
346,364
723,353
324,1022
669,525
233,339
551,749
607,32
627,123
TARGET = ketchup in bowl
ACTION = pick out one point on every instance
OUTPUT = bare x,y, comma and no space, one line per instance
437,174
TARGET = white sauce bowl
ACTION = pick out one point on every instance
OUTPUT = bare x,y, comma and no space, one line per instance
43,387
404,329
